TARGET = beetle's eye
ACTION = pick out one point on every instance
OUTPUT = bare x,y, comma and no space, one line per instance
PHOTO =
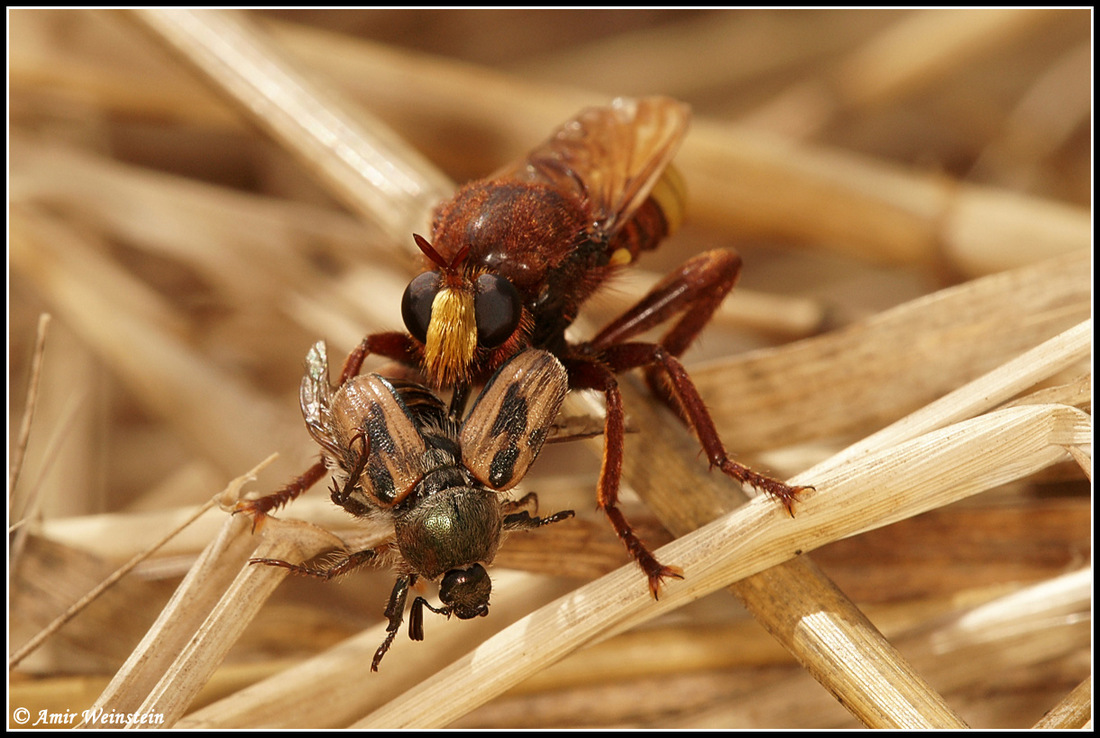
416,304
497,310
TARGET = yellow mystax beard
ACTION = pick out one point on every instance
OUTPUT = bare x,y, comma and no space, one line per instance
452,337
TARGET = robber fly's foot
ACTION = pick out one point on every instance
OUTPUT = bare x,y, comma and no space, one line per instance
781,491
657,572
254,509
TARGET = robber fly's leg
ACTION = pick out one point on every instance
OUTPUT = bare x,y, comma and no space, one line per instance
393,345
695,291
261,506
591,374
345,564
631,355
395,611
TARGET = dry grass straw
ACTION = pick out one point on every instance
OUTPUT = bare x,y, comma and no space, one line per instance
751,540
980,386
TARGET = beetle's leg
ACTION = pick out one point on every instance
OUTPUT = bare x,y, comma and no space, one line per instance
416,617
632,355
394,345
261,506
395,610
345,564
529,501
342,496
591,374
459,396
524,520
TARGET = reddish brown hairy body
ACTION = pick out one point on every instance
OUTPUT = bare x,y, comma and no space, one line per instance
536,237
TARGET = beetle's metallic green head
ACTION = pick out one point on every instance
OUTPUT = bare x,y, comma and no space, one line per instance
450,528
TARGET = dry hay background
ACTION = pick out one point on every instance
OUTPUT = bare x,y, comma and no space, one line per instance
911,193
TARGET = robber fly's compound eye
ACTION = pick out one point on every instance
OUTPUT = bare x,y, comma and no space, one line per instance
497,310
416,304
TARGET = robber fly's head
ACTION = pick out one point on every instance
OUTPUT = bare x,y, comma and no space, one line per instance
454,313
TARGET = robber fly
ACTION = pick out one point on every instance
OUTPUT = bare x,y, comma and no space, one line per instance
397,451
512,258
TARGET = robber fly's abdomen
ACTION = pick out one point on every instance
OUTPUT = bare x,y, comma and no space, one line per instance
658,218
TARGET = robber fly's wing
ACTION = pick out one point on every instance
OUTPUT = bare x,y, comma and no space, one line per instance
397,448
610,157
505,430
315,397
